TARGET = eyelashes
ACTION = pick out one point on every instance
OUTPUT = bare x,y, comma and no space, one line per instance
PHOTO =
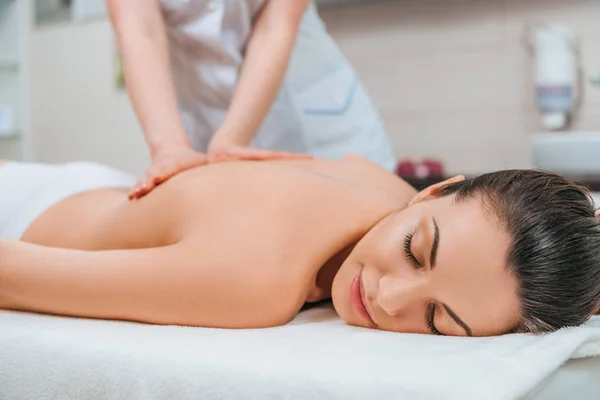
411,257
429,315
430,324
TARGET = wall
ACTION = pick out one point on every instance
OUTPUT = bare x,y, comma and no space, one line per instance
449,76
13,72
77,112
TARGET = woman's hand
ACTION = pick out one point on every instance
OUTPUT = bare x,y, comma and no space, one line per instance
165,164
222,150
169,162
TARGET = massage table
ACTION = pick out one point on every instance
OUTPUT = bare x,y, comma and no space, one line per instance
315,356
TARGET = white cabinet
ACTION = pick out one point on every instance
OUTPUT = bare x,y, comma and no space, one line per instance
14,22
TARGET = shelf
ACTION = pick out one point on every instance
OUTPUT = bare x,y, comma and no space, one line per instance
12,135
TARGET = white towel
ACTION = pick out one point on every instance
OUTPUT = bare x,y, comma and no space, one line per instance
316,356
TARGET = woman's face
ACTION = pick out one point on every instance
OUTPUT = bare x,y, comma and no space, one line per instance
436,267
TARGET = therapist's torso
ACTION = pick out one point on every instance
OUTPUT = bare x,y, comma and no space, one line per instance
321,108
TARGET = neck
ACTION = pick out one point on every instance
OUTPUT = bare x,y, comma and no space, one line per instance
324,279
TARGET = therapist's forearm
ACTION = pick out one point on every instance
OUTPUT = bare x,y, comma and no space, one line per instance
144,49
267,59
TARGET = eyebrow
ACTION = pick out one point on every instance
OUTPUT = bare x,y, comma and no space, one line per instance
434,245
432,257
458,320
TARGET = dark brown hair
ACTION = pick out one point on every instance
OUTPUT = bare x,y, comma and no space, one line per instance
555,252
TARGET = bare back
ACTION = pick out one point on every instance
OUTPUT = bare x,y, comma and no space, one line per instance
278,221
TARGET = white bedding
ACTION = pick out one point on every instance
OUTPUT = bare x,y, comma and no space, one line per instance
316,356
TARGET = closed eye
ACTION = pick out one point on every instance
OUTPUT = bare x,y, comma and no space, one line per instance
409,254
430,322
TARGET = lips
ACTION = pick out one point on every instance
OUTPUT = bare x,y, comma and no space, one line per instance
357,298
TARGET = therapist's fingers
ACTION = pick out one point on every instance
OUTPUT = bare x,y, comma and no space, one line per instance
150,181
250,154
164,167
145,186
141,189
272,155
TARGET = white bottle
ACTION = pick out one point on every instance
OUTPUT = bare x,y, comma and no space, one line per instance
555,75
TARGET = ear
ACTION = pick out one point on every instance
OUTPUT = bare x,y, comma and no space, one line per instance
432,191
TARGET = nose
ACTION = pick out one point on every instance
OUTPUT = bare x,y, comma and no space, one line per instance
399,294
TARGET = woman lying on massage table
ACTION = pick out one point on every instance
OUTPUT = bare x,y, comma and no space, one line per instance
247,244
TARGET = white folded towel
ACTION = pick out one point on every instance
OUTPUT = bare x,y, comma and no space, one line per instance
316,356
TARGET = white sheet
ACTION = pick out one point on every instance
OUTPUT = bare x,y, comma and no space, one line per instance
316,356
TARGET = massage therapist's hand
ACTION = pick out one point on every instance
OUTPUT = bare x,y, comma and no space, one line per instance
222,149
165,164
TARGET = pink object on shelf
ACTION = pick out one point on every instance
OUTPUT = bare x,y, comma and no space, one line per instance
406,168
434,167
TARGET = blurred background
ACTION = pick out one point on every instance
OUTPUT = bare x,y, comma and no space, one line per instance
474,85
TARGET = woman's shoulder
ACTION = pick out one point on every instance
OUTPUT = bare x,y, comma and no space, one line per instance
354,170
373,174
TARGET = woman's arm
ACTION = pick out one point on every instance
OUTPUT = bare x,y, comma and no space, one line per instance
267,58
143,44
165,285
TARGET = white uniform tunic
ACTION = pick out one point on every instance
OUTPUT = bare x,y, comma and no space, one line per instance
321,108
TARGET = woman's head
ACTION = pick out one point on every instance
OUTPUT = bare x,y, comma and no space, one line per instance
510,251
